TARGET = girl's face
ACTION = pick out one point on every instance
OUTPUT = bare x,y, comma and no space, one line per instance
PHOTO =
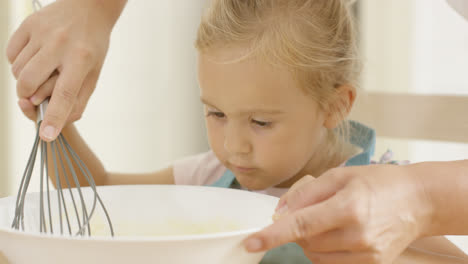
260,124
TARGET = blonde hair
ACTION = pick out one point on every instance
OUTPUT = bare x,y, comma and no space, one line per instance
314,39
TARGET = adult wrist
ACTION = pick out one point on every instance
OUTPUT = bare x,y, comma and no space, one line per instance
112,9
444,185
425,207
109,10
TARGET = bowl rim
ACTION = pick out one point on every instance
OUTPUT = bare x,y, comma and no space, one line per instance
125,239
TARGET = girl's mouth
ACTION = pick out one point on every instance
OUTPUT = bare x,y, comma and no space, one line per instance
241,169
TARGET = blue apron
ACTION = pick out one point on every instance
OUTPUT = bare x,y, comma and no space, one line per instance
361,136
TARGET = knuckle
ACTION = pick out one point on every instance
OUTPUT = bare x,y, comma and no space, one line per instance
300,227
374,257
83,53
25,87
305,179
355,212
334,173
341,175
53,118
363,241
10,55
16,70
67,96
61,37
75,116
47,88
300,194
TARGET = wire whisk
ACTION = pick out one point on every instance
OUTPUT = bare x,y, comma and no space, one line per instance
58,148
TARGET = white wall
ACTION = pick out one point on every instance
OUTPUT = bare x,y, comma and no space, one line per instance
417,46
440,53
385,31
146,112
4,184
19,131
440,56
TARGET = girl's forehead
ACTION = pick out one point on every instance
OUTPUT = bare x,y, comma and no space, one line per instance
250,73
248,85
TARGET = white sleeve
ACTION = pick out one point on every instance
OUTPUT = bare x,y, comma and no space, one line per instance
201,169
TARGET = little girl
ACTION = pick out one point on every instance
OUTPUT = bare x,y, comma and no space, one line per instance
277,79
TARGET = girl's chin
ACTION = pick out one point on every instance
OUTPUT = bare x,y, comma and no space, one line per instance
251,183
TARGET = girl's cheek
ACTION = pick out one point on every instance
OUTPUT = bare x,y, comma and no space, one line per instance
215,135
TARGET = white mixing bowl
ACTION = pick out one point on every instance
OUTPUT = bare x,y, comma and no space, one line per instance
153,223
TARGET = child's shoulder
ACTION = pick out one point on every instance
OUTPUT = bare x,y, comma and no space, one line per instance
200,169
364,138
387,158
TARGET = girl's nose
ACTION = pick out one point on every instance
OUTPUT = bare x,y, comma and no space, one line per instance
236,141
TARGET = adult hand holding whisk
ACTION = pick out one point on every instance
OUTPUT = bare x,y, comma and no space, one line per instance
68,37
63,161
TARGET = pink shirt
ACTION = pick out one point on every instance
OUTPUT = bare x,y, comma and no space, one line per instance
206,169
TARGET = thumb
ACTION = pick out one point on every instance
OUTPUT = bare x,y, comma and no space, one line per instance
63,99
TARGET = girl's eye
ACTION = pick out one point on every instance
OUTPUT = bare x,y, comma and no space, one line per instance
261,123
216,114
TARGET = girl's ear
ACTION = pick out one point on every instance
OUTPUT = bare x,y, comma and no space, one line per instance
340,106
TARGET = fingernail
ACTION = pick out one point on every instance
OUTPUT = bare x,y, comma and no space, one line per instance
276,217
281,203
254,244
282,210
34,100
49,132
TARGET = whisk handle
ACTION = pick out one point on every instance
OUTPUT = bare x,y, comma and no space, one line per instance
41,110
